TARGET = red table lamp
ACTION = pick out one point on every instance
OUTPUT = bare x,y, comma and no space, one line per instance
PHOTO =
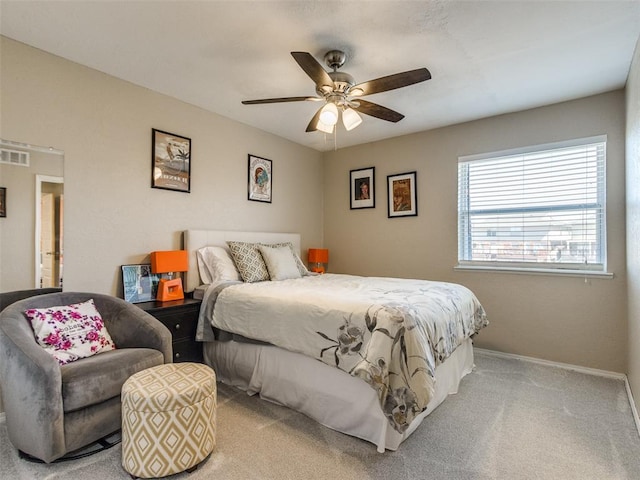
169,262
318,257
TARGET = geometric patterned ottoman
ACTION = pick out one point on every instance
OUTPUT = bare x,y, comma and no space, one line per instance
168,419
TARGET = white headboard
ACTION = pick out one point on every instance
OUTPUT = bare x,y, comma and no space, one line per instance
196,239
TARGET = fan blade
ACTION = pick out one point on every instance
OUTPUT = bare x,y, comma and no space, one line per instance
313,124
281,100
378,111
312,68
390,82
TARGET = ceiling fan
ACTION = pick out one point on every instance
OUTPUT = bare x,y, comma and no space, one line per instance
340,93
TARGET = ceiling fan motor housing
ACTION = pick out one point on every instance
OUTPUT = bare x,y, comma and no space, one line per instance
335,59
342,82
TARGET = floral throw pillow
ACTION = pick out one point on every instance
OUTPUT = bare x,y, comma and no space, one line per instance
70,332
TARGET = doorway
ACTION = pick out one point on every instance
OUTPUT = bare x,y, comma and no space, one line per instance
49,241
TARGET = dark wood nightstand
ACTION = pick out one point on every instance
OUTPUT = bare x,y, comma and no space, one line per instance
181,318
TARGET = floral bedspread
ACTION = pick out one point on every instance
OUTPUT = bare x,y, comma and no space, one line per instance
392,333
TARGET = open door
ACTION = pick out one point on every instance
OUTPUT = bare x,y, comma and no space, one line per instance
47,241
49,231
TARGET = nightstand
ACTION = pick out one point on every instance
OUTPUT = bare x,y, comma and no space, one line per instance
181,318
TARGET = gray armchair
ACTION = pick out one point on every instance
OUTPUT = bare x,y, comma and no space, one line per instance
52,410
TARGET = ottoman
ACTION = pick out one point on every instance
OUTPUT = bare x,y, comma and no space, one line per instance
168,419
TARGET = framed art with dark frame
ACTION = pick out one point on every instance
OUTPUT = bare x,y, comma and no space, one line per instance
3,201
139,284
260,179
362,188
170,161
401,195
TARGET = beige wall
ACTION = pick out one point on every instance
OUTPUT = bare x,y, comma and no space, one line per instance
563,319
633,223
103,125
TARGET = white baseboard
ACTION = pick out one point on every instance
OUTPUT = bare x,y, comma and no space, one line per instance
566,366
576,368
633,404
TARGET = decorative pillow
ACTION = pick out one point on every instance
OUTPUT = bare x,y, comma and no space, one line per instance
70,332
280,262
301,267
215,264
249,261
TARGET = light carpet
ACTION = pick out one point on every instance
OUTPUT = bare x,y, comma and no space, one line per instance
511,419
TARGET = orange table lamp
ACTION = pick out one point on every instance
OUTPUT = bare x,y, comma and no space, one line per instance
318,257
169,262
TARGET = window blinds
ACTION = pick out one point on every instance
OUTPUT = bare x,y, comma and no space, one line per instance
543,207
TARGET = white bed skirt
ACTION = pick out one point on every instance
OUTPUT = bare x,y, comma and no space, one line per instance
324,393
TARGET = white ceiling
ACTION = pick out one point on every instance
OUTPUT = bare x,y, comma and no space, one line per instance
486,57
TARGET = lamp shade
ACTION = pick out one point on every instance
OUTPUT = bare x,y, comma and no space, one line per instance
351,119
318,255
169,261
324,127
329,114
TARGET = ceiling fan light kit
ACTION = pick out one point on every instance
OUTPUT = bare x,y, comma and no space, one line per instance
329,114
339,91
323,127
350,119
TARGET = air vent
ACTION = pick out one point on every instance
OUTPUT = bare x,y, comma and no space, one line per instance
14,157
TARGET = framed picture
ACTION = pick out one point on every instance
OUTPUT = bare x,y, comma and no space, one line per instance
260,179
170,161
362,188
3,201
401,193
140,285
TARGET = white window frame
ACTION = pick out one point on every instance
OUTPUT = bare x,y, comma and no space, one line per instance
465,235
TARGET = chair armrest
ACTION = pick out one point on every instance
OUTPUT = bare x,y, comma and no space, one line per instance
132,327
31,389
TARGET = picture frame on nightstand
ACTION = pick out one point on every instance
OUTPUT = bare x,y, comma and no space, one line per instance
139,284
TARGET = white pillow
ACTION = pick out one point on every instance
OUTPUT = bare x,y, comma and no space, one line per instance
301,268
280,262
215,264
70,332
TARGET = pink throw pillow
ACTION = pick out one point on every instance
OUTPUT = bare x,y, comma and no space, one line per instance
70,332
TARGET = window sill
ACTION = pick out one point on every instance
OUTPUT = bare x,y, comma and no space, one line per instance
534,271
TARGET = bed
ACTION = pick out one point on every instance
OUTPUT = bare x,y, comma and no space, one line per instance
361,355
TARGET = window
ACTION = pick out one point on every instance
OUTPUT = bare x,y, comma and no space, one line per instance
539,208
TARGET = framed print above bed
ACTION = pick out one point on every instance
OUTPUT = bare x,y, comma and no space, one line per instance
260,171
170,161
140,285
362,188
401,195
